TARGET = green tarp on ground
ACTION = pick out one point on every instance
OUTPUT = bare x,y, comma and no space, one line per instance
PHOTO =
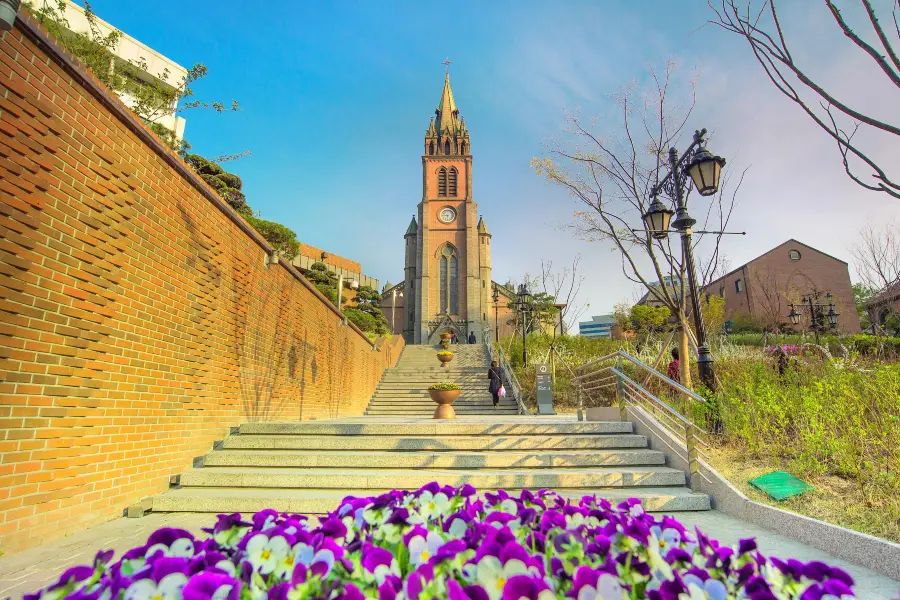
780,485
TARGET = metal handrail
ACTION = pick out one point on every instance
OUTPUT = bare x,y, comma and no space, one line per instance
608,371
515,388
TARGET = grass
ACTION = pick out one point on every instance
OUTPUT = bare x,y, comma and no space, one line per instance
831,421
835,500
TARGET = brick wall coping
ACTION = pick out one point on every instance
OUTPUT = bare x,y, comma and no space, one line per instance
111,102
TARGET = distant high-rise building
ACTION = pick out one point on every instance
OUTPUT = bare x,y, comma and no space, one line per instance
599,326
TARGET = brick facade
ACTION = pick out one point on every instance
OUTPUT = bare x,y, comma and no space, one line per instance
765,286
140,319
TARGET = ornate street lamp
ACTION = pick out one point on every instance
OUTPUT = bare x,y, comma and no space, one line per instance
496,298
816,314
523,303
700,167
705,169
657,218
8,10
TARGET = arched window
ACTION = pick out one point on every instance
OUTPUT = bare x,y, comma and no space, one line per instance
452,183
431,148
444,300
446,146
454,288
449,286
462,148
442,182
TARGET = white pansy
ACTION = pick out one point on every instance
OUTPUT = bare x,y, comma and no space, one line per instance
492,575
458,528
180,548
300,553
434,506
507,506
608,588
421,549
266,554
711,589
168,588
227,566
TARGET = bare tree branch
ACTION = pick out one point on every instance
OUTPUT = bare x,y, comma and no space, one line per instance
774,55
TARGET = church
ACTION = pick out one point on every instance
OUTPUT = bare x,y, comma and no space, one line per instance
447,283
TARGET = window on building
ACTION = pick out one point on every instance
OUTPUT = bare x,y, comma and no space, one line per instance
794,255
449,286
739,286
452,182
442,182
454,288
431,148
447,147
444,298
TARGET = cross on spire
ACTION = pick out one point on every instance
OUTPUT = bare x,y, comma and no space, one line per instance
447,62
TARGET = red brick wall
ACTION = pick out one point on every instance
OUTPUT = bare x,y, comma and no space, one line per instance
772,281
139,319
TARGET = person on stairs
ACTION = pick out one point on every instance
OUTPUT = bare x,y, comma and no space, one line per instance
471,337
495,374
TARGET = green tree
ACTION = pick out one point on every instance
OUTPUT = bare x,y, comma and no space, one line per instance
324,280
152,99
282,238
648,319
367,301
862,293
227,185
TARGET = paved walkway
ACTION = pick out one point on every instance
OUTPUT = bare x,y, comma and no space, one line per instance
32,569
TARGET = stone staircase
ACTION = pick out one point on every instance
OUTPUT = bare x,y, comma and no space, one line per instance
309,467
403,390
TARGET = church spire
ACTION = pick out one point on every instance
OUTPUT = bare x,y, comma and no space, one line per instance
447,114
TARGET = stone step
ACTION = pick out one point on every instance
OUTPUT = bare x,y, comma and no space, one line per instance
540,459
319,501
435,443
365,479
545,429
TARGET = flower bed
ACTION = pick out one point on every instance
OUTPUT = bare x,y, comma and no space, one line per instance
449,543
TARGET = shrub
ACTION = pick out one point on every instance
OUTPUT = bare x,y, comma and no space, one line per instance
450,543
231,180
444,386
282,238
215,183
361,319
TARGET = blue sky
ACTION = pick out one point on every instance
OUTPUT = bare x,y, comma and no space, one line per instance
336,98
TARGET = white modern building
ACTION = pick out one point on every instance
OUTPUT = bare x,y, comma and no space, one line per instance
599,326
147,63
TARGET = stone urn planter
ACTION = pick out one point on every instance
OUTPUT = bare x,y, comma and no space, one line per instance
444,394
445,356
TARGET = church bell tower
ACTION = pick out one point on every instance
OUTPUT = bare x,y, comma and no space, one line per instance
450,278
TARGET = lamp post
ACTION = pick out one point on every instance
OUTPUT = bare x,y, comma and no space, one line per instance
702,169
523,303
496,298
394,295
815,313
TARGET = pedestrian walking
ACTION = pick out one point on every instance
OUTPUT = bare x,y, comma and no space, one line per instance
495,374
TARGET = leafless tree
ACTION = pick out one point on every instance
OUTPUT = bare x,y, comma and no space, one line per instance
763,30
612,176
564,286
876,256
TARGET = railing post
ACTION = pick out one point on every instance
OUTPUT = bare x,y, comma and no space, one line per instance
693,462
580,399
620,389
